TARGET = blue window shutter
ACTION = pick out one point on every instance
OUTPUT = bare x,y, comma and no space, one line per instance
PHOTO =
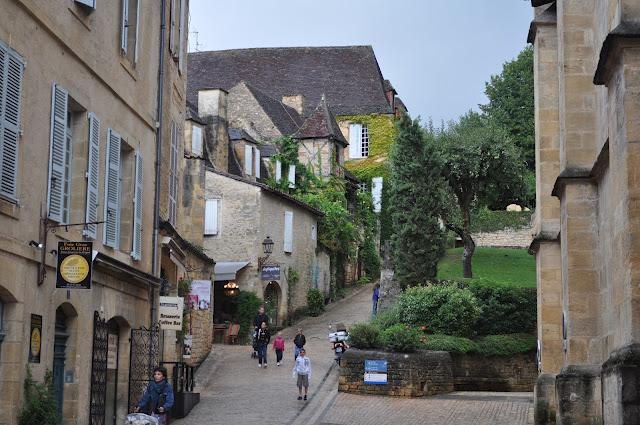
57,153
11,72
136,252
112,191
124,26
93,170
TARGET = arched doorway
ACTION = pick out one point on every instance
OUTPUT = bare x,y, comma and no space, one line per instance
64,356
113,357
272,299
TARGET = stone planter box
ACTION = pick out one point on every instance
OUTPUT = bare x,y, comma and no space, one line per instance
426,373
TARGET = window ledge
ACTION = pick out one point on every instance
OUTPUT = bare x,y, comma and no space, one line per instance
129,67
10,208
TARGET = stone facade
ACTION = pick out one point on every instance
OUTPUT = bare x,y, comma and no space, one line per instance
509,373
507,238
587,68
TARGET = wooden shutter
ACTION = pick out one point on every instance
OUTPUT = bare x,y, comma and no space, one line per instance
11,71
181,35
376,193
355,141
278,170
288,231
57,153
257,162
135,49
124,35
211,217
112,191
136,252
196,141
248,160
292,176
173,170
93,170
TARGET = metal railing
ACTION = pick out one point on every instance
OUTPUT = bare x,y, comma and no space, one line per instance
183,376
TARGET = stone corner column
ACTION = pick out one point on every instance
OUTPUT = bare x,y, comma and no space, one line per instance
621,386
545,405
579,395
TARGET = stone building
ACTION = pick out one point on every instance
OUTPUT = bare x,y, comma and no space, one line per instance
79,110
587,74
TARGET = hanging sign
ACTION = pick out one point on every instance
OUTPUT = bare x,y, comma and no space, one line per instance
270,273
170,313
375,372
35,341
74,265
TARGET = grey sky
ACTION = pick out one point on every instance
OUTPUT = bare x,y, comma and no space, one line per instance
437,53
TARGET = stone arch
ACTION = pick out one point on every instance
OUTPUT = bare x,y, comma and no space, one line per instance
11,325
65,347
273,303
117,370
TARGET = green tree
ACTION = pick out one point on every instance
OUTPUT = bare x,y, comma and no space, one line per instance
511,104
479,161
417,195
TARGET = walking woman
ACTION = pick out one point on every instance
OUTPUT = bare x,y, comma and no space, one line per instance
158,397
263,341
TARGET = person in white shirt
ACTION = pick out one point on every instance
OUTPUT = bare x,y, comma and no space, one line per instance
302,370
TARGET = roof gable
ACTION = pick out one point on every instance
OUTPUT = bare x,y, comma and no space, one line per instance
321,123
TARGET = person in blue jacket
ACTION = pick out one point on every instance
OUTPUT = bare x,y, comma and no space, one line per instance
158,397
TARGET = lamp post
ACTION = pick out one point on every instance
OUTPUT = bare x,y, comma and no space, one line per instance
267,249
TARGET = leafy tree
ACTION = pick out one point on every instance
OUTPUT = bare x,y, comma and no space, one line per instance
417,195
479,161
511,104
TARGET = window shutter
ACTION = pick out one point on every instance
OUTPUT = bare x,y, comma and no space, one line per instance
288,231
57,153
11,70
172,25
248,163
257,162
376,193
181,35
196,141
136,252
173,169
88,3
211,217
125,26
278,171
135,51
93,170
355,141
292,176
112,191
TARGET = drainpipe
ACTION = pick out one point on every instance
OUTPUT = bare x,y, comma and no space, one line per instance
156,204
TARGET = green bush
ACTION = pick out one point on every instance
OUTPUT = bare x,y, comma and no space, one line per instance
364,336
453,344
400,338
443,309
246,306
506,345
485,220
387,317
39,406
363,280
315,302
505,310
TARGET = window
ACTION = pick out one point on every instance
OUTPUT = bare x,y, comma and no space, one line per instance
288,232
11,70
358,141
196,140
112,191
278,175
89,3
376,193
362,186
173,174
256,155
364,142
248,160
93,174
211,217
129,30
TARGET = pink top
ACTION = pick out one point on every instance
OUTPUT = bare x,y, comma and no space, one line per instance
278,343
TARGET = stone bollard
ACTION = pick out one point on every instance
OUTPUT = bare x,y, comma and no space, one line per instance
579,393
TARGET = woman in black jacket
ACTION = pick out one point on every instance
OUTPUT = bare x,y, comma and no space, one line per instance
263,338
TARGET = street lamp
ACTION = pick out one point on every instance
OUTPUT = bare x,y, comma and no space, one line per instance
267,248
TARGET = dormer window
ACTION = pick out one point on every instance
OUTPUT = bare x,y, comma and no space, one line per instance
358,141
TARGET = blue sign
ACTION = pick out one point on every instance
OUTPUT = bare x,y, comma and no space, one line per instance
379,366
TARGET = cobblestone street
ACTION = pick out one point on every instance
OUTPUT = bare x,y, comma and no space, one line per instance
235,391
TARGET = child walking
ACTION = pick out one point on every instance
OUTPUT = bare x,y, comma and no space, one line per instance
302,371
278,346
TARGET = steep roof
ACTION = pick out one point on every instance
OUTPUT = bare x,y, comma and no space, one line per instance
284,117
400,104
388,86
240,134
321,123
349,76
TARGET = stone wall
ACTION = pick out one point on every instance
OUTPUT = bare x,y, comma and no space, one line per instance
426,373
507,238
201,332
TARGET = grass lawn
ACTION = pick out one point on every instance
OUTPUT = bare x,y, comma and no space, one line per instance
514,267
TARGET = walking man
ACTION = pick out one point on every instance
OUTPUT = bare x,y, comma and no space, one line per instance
299,341
302,371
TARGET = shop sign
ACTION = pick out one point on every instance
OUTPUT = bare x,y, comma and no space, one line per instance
375,372
35,342
170,313
202,290
269,273
112,351
74,265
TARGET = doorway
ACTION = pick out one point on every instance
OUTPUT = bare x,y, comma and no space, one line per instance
272,303
59,357
113,345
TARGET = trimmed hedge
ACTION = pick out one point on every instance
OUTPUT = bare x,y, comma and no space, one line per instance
491,345
485,220
364,336
400,339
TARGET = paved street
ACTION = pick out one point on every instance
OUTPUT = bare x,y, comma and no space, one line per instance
235,391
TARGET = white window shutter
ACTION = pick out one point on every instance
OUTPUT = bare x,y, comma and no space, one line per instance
278,171
196,141
181,32
136,252
257,162
135,51
173,174
211,217
172,25
288,231
93,169
355,141
292,176
88,3
125,26
112,191
376,193
11,71
248,160
57,153
314,232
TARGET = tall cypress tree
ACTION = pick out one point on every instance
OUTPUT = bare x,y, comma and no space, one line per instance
417,201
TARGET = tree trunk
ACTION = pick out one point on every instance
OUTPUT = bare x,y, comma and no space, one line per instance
469,244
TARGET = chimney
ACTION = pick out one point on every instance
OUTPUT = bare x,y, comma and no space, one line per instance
212,108
296,102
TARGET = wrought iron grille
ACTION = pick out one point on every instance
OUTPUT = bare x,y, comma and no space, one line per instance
99,370
144,357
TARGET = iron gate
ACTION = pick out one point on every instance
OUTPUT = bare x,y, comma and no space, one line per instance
143,358
99,370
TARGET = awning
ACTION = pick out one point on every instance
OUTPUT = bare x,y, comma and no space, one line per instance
227,270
